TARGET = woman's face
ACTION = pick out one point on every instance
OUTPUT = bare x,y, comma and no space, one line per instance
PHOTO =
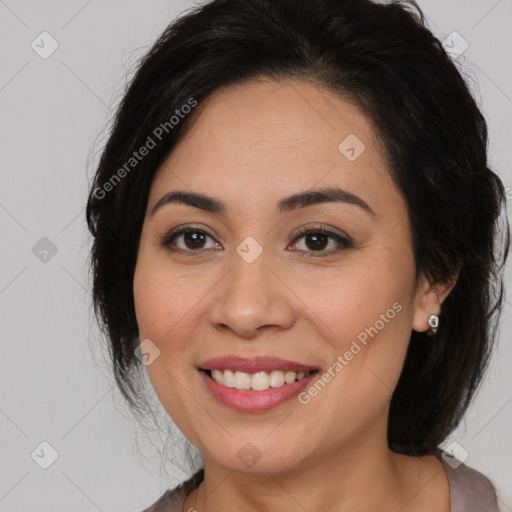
246,283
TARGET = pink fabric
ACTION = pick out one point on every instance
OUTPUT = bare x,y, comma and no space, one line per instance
470,491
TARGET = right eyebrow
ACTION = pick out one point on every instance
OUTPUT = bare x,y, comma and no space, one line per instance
201,201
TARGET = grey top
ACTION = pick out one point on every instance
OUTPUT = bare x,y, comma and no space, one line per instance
470,491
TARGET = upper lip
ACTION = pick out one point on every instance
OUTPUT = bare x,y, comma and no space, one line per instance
254,364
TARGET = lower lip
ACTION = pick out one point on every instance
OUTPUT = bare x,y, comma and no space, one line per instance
254,401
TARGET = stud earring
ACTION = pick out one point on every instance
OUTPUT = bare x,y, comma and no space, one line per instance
433,322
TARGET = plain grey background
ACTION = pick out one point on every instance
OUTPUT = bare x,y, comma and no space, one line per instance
52,388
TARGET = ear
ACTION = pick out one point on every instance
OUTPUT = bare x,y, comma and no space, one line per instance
428,300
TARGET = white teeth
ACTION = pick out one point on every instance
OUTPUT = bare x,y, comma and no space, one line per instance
242,380
219,377
289,377
227,378
276,379
259,381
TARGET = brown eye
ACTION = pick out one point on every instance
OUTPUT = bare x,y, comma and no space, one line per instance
316,240
194,239
188,240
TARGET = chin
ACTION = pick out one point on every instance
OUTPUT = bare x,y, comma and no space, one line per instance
257,456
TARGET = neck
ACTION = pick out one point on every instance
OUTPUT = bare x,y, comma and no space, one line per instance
363,478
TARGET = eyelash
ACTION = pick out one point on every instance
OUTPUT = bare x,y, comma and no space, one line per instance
345,242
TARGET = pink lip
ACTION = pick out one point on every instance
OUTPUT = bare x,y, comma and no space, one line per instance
254,401
253,365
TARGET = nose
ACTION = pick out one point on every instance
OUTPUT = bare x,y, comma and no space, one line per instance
252,297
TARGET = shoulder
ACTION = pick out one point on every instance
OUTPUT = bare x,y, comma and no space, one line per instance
173,499
470,490
170,501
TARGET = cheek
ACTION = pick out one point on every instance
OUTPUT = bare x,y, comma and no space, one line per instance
159,309
161,301
166,314
150,309
366,311
356,302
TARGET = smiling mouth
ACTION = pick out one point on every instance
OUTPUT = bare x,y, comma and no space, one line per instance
257,381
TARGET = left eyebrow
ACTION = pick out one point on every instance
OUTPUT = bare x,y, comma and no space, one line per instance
287,204
323,195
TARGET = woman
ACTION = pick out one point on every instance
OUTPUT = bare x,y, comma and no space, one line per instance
296,233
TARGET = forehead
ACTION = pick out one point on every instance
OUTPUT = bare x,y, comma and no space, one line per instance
256,142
